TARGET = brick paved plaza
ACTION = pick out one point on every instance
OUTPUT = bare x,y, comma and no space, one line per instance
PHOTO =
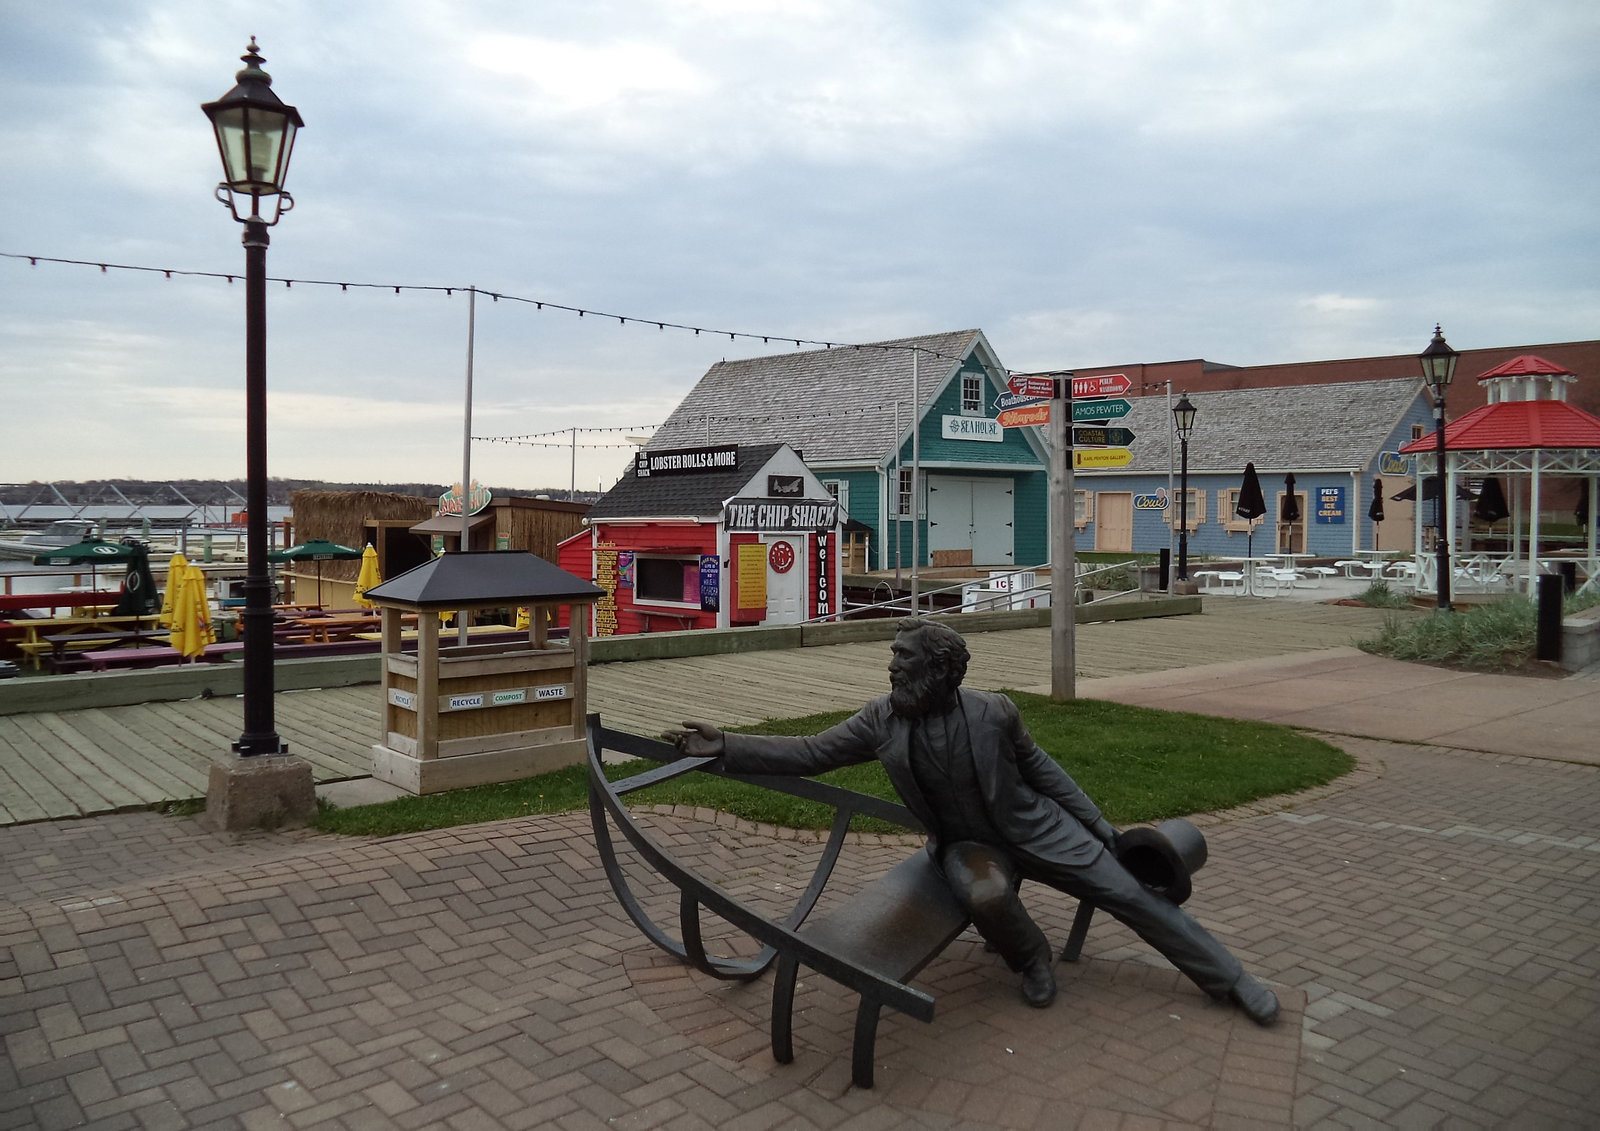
1431,923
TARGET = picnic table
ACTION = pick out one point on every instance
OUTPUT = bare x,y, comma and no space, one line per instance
35,645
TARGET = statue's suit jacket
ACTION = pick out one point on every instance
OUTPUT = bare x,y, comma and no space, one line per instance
1032,802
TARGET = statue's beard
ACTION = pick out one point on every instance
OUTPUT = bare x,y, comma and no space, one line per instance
912,697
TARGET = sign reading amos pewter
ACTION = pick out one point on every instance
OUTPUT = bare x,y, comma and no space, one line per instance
681,461
775,516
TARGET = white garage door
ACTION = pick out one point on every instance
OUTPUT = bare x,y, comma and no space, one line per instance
975,515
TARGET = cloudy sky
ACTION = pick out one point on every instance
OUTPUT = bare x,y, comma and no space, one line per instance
1088,181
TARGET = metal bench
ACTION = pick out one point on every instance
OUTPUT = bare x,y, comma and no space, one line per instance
873,944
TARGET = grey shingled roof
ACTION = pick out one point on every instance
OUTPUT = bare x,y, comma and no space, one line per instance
1281,428
698,495
831,405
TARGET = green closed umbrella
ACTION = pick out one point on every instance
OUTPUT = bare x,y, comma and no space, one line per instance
317,550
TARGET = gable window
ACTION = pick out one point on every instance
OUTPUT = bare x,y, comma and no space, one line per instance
1417,432
972,394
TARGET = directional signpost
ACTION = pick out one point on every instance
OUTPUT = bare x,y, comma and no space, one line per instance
1028,415
1100,437
1112,408
1024,385
1104,385
1095,458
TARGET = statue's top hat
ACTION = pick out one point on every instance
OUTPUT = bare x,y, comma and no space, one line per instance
1163,857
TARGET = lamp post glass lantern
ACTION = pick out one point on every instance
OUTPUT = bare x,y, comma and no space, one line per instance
1183,419
1438,369
255,136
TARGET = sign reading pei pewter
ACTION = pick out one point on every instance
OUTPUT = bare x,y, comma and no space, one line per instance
681,461
769,516
786,486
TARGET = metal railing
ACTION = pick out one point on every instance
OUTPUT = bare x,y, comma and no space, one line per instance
902,603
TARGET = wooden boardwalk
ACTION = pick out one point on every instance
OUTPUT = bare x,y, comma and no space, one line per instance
78,763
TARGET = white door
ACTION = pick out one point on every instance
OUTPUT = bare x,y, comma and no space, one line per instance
786,579
974,518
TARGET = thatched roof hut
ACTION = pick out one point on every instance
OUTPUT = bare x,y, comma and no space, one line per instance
345,516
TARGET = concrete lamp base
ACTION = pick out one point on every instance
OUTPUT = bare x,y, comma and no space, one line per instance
265,791
1185,588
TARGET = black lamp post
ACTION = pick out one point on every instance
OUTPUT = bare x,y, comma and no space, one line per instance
255,134
1183,417
1438,367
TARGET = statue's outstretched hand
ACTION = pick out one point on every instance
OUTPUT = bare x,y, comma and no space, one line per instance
697,740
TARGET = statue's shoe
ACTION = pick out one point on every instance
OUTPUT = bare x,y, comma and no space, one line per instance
1259,1003
1038,983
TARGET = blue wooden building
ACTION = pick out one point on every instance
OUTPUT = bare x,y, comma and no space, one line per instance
859,414
1340,443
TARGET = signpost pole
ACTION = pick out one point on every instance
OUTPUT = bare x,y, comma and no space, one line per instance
1063,553
466,451
916,469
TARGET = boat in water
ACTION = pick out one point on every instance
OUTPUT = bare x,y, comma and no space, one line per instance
27,544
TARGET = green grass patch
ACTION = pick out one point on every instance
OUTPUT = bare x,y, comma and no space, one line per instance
1138,764
1380,596
1499,636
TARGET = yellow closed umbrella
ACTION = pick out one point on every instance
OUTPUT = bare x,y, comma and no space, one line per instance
369,576
169,599
191,617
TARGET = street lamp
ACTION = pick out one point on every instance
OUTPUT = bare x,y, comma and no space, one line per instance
255,135
1183,418
1438,367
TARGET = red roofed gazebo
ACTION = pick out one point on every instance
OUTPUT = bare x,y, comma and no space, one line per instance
1527,432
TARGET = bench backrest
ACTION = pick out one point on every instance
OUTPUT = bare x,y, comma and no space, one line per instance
606,807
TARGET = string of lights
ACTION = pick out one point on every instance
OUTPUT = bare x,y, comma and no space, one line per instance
569,430
546,443
496,296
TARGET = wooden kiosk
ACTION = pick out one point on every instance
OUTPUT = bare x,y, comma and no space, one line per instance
456,715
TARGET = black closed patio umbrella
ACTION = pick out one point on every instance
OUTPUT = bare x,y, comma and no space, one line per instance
1375,511
1491,505
1252,504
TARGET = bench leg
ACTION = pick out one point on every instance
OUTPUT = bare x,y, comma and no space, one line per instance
866,1043
1079,932
783,1009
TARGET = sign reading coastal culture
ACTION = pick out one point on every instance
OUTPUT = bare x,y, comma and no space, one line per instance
972,428
1393,463
1101,385
682,461
477,499
1026,416
1117,437
775,516
1330,505
1112,408
1155,501
1092,458
786,486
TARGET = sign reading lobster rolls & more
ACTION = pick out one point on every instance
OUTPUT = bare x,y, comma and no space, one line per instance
683,461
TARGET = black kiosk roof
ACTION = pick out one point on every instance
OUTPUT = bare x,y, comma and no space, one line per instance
483,578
